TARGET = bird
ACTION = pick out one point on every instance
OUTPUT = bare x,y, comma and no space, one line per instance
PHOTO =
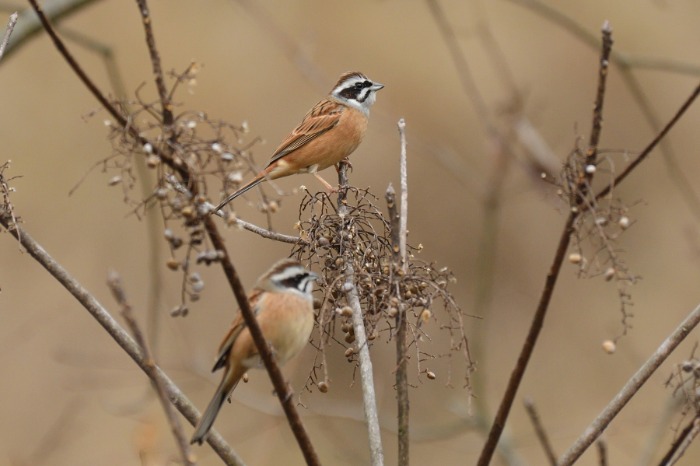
283,305
329,133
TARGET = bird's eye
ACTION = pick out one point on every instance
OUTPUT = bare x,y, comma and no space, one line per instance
358,86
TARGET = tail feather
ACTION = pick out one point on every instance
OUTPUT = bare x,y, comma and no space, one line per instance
209,416
250,185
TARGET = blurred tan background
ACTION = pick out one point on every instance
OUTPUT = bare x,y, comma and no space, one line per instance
70,395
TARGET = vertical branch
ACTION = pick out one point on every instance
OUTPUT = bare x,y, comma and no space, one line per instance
518,373
398,239
155,62
115,284
597,125
369,397
401,359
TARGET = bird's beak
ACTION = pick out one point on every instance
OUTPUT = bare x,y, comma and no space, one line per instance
376,86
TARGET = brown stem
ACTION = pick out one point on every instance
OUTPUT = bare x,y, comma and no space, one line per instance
654,142
551,279
540,432
155,62
401,360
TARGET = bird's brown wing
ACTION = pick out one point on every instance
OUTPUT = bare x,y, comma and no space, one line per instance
323,117
236,328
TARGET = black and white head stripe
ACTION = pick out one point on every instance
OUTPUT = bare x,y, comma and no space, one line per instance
357,90
291,275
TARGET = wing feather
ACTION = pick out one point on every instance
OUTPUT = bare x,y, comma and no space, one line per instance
322,118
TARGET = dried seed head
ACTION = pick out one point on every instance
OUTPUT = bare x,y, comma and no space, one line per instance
425,315
349,352
609,346
575,258
430,375
609,274
624,222
173,264
322,387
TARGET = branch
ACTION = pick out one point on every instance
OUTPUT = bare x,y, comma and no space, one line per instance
652,145
8,32
367,379
540,432
88,301
631,387
132,129
155,62
205,208
29,24
400,266
681,443
115,284
550,282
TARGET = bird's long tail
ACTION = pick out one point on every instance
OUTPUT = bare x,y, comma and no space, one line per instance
209,416
247,187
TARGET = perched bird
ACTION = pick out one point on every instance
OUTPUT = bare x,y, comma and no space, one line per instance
329,132
283,305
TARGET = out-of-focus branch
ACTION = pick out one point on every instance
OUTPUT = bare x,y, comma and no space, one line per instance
8,32
29,25
369,397
540,432
591,433
115,284
88,301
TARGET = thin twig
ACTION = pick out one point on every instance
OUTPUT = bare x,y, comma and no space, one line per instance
165,103
88,301
654,142
8,32
369,397
597,125
206,207
540,432
29,25
681,443
602,452
115,284
547,292
631,388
